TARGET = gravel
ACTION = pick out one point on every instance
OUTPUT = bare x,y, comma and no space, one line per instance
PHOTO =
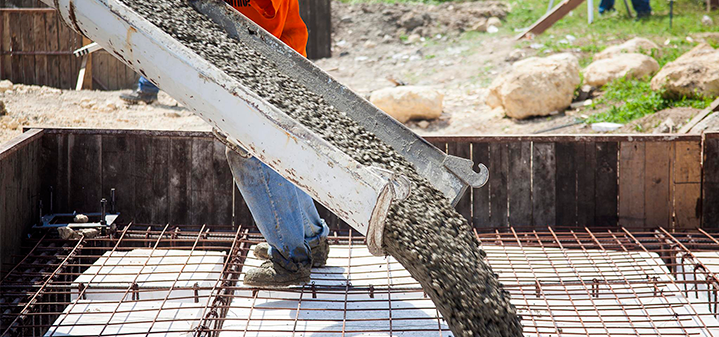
423,232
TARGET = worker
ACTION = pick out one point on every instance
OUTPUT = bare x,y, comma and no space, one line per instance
642,7
285,215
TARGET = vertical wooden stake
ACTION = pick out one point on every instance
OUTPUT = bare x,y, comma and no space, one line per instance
84,76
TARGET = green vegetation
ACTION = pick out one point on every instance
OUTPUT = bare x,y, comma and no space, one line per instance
627,99
638,100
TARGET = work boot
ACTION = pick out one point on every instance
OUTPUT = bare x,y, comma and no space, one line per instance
319,252
138,96
271,274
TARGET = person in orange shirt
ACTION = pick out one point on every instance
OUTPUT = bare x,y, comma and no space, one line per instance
285,215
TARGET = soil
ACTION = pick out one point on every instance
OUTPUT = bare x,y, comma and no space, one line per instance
424,232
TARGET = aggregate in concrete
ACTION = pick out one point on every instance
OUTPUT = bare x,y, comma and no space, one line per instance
423,232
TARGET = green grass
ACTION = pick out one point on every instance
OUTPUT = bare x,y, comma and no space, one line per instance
629,99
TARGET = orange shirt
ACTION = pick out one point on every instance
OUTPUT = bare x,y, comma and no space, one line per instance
279,17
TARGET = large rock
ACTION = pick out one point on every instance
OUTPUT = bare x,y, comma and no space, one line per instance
536,86
631,65
694,73
409,102
5,85
638,45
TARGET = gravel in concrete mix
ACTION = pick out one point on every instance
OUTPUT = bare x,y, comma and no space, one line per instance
423,232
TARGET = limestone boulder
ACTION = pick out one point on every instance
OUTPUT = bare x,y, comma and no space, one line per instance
409,102
536,86
638,45
631,65
5,85
696,73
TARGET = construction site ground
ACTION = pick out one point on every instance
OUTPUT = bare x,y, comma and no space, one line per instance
369,53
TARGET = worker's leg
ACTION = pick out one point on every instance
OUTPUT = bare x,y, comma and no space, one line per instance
284,214
144,85
605,6
146,92
642,7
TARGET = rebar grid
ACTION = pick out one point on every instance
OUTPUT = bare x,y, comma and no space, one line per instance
159,280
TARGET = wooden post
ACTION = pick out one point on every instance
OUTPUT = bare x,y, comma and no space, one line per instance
84,76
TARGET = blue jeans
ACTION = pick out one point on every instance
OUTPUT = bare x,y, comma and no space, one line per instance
286,216
145,86
642,7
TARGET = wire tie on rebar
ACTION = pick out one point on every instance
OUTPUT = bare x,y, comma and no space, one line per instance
595,287
313,286
538,288
371,291
135,291
196,288
81,288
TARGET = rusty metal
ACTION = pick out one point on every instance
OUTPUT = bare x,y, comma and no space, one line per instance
642,280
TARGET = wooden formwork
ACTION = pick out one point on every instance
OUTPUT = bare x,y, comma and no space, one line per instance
36,46
639,182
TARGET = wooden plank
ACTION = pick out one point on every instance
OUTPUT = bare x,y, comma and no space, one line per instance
66,73
499,169
550,18
202,198
464,205
180,166
5,46
53,61
687,185
544,168
586,167
714,106
241,215
84,168
111,64
55,172
631,185
84,76
118,165
657,197
160,181
27,43
480,196
566,180
8,211
101,63
40,29
606,194
4,248
15,38
519,184
710,203
223,185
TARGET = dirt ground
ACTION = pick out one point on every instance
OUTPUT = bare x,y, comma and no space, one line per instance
374,46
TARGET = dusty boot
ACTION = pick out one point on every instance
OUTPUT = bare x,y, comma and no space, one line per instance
139,96
271,274
319,253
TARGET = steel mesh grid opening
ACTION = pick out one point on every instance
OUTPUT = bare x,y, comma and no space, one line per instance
566,283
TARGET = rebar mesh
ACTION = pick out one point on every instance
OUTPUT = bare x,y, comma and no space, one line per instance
150,280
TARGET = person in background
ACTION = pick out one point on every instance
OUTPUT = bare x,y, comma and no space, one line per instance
285,215
642,7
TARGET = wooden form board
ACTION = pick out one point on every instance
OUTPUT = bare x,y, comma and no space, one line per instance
159,177
36,48
181,178
20,184
317,15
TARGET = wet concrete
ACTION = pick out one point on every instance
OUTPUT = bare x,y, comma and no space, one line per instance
423,232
